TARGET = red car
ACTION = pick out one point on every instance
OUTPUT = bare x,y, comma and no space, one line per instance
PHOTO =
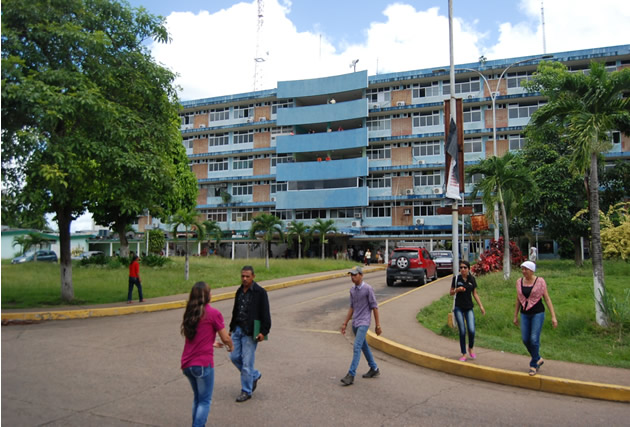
411,265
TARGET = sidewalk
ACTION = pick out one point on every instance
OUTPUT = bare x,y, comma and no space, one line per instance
404,338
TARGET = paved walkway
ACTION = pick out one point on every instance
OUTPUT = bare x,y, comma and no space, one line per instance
405,338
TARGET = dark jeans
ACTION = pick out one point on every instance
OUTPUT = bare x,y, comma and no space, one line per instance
469,316
134,281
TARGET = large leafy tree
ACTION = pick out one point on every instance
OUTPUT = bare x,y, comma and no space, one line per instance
615,184
29,241
212,232
323,227
299,231
586,107
77,82
189,219
268,227
560,193
505,179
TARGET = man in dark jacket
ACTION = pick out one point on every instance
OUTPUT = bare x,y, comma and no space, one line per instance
250,324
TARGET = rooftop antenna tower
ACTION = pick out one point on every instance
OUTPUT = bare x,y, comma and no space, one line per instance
542,15
259,59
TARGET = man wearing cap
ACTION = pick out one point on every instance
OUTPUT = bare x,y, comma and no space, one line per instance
362,304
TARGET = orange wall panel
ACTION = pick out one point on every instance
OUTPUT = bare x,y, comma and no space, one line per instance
401,156
200,146
262,140
202,197
262,112
200,170
402,126
201,119
261,193
401,95
262,166
400,185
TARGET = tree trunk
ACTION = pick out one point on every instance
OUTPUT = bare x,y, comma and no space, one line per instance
507,264
186,268
599,287
122,236
323,248
299,248
267,251
577,251
64,219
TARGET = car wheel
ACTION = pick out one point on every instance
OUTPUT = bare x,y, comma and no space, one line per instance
402,262
390,282
423,279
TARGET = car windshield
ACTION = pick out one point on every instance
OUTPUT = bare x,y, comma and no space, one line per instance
408,254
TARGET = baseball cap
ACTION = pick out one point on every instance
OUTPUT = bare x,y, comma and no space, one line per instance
356,270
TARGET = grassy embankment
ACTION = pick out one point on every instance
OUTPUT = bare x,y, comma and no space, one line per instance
577,337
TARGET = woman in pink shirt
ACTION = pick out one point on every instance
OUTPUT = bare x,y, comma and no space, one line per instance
200,325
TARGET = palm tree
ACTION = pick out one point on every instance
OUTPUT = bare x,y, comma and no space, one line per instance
189,219
505,180
299,230
28,241
268,225
212,231
324,227
587,107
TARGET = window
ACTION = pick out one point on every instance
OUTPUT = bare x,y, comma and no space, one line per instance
242,162
278,186
243,112
244,137
242,189
188,119
282,214
426,148
518,79
281,158
379,210
425,208
432,178
517,142
311,214
615,137
219,114
462,86
379,123
379,153
472,145
473,179
215,165
345,213
381,94
384,181
188,143
218,215
217,139
276,105
425,90
430,118
472,114
521,111
243,214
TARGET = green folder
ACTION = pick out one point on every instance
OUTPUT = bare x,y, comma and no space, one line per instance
257,330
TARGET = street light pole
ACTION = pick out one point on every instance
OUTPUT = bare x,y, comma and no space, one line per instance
493,98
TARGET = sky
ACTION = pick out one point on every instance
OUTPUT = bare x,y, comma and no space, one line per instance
214,42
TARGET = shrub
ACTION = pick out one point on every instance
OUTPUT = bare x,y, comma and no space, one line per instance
492,259
154,260
95,260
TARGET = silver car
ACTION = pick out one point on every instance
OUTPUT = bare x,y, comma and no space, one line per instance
443,262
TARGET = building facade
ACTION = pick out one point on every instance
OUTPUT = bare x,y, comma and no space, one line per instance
364,151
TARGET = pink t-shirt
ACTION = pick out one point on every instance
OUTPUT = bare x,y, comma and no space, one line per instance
200,350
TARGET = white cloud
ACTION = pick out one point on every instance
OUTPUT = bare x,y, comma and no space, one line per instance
214,53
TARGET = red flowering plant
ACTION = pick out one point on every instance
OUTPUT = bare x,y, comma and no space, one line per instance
492,259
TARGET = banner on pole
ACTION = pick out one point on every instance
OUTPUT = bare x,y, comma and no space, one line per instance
452,149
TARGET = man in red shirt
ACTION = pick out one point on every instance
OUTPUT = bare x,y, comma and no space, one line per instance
134,279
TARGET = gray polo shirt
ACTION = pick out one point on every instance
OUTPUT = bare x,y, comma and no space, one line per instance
362,301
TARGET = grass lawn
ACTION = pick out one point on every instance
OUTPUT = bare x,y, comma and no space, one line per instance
39,284
576,339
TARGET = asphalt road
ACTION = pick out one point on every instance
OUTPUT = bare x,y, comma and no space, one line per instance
124,371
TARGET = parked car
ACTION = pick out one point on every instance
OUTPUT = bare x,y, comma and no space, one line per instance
411,265
87,254
443,261
42,255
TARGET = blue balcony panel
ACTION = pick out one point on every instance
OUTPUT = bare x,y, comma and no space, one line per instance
323,85
314,171
323,113
326,141
322,199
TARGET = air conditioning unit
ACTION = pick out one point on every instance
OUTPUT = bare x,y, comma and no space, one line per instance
201,126
375,106
437,190
409,191
400,103
356,223
421,162
420,221
407,212
262,119
495,94
273,199
357,215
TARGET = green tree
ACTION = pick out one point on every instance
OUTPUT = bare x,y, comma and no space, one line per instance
189,219
615,184
323,227
300,232
30,240
74,74
212,232
587,107
156,240
505,180
268,227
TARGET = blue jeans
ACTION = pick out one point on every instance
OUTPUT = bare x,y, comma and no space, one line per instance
361,345
531,325
201,380
134,281
469,316
243,356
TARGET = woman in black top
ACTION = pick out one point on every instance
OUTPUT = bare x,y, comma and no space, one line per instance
464,287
